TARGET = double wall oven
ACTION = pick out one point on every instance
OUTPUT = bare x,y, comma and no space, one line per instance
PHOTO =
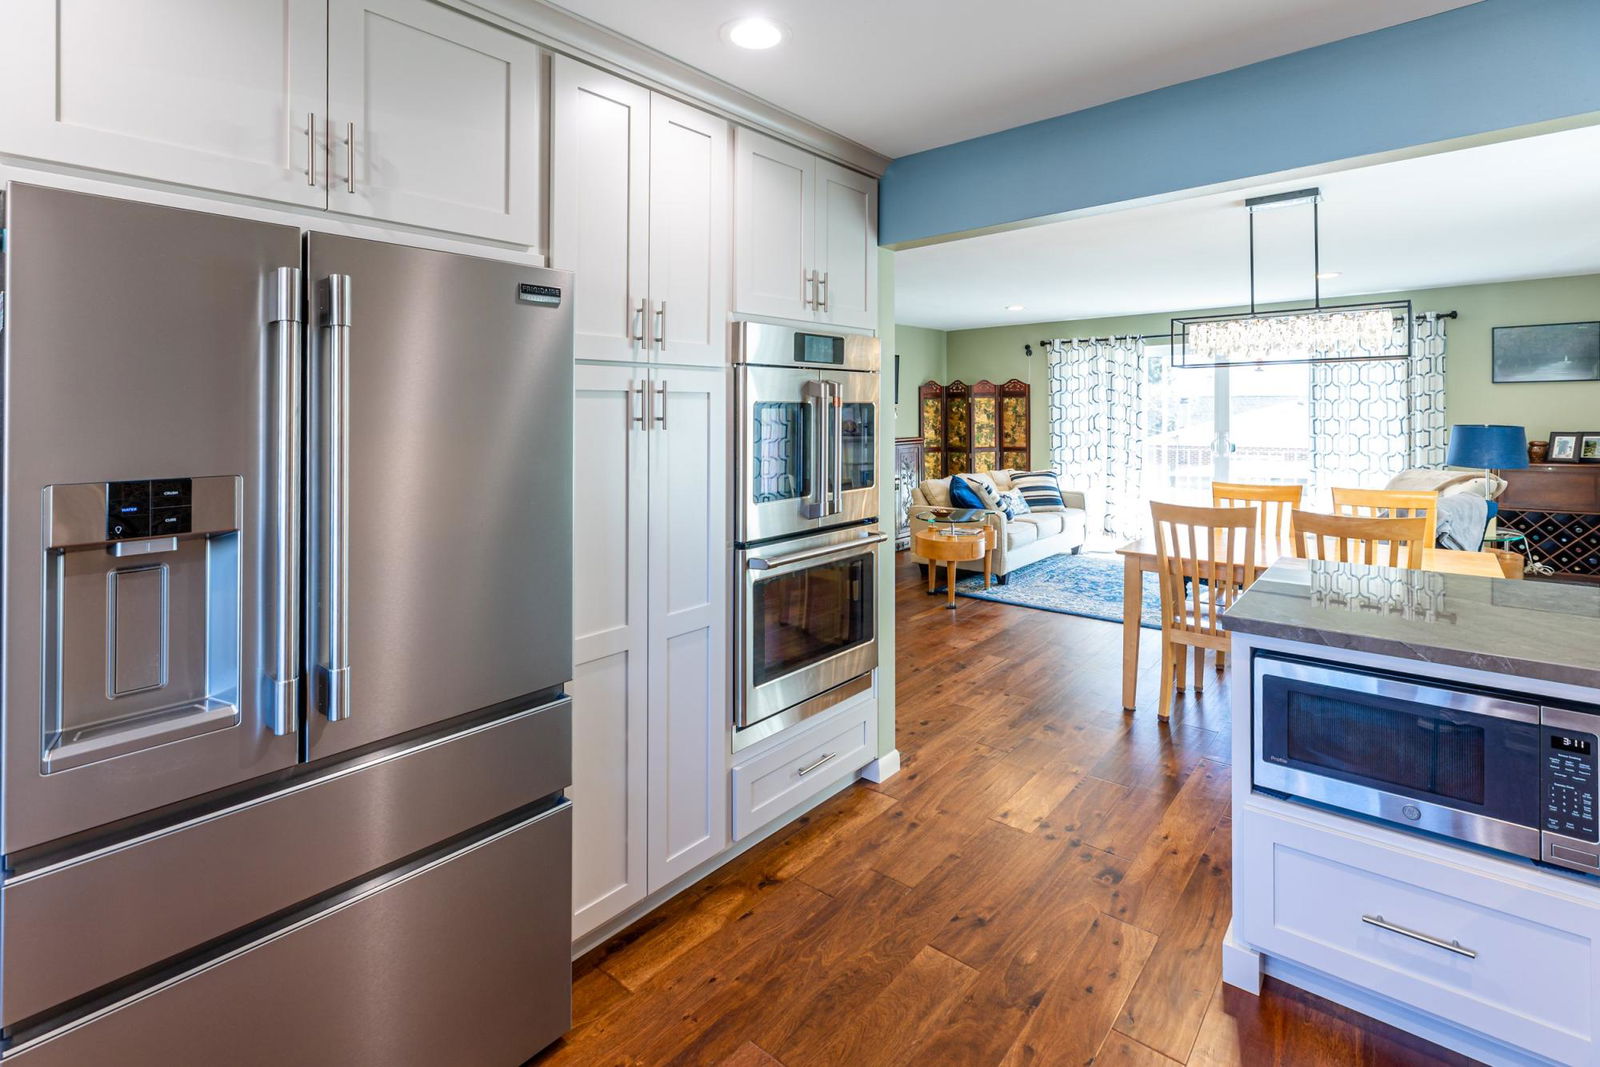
806,522
1498,770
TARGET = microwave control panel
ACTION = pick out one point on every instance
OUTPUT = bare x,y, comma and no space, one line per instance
1569,784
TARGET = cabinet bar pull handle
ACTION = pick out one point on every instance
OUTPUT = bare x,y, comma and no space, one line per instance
311,148
661,326
636,324
661,391
1417,935
813,766
350,157
281,693
824,297
331,576
635,420
809,287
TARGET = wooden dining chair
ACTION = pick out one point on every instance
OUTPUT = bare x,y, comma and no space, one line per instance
1391,503
1204,557
1358,539
1273,503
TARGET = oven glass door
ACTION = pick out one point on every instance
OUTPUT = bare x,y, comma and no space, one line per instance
1452,761
807,625
781,480
854,478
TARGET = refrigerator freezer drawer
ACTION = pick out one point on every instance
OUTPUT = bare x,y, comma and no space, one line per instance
78,925
461,959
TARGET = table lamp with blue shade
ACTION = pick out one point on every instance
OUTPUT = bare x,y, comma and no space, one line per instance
1501,448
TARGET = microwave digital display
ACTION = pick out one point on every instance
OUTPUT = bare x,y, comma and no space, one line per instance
816,348
1581,746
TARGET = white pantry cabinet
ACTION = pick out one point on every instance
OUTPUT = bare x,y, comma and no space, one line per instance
395,110
640,210
650,573
805,235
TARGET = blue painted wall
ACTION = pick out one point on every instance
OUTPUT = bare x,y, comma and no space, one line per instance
1485,67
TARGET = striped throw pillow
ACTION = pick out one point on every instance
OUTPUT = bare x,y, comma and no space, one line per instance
978,489
1041,489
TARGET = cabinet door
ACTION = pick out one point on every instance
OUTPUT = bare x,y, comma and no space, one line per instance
774,207
689,562
689,219
609,644
214,95
847,247
599,205
436,120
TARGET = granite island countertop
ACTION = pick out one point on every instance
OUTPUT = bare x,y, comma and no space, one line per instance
1545,630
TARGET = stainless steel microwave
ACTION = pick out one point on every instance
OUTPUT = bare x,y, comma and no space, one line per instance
1497,770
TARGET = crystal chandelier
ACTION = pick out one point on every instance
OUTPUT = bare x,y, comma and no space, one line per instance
1316,334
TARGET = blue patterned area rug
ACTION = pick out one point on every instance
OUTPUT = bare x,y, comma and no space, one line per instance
1089,584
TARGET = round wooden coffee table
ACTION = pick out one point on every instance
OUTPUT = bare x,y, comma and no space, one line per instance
938,546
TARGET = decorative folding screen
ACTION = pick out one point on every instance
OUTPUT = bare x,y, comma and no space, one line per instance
979,427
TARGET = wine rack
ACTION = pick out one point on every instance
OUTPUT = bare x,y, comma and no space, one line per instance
1570,543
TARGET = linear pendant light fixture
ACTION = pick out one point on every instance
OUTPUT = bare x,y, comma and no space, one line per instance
1317,334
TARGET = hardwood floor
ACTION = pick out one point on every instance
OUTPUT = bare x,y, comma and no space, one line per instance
1045,881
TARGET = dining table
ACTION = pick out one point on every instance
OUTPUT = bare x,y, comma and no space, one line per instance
1139,558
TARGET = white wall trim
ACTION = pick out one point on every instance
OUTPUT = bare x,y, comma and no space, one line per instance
884,767
572,35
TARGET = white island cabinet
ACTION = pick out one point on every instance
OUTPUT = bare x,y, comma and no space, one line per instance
399,111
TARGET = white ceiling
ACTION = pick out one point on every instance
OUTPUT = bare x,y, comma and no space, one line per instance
1527,208
900,76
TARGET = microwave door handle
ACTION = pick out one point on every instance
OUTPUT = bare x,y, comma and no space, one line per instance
812,554
281,693
332,501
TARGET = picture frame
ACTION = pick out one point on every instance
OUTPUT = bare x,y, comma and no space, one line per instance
1589,447
1550,352
1563,446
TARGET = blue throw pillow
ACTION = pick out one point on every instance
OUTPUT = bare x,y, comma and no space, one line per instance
963,495
1041,489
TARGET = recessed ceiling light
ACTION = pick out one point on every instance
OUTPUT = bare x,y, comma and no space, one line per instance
755,33
1013,307
1327,274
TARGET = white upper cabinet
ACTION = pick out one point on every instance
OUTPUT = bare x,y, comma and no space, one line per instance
689,223
200,93
434,119
775,220
806,236
640,210
599,187
847,247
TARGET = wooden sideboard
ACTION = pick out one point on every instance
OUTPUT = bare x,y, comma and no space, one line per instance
907,475
1557,505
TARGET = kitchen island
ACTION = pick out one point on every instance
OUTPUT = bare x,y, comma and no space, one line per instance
1414,803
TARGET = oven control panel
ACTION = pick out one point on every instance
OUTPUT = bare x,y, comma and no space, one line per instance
1569,784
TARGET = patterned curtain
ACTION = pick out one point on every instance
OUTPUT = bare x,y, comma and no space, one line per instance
1096,407
1372,419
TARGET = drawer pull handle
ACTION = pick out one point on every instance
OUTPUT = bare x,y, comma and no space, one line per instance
1417,935
811,767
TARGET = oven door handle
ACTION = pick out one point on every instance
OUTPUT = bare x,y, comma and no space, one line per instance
836,447
816,395
763,564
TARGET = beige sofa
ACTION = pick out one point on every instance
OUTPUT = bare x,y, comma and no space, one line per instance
1026,539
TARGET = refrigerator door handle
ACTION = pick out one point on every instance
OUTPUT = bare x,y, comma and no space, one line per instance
332,574
280,695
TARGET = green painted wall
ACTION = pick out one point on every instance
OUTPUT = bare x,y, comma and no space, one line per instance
996,353
887,334
922,359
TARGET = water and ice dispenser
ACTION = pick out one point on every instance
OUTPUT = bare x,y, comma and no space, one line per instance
142,604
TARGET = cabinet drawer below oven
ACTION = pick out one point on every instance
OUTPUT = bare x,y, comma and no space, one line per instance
835,745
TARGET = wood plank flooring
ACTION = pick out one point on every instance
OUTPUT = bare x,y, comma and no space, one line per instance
1045,881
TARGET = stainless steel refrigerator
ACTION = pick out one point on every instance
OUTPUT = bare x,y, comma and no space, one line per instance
286,617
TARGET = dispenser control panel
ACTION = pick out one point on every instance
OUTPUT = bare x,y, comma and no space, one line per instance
159,508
